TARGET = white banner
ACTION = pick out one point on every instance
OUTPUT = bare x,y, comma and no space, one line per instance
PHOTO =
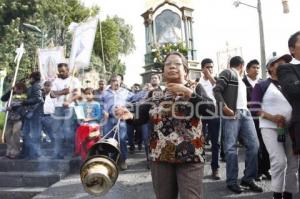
48,60
83,41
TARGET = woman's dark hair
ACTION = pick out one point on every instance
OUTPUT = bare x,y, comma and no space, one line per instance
236,61
183,59
251,63
88,90
36,76
206,61
293,40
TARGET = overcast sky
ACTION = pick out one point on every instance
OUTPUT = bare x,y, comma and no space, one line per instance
216,22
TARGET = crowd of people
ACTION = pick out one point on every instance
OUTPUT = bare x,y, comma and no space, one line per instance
174,121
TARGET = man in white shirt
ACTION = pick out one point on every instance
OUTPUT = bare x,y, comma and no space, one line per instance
211,126
98,92
48,110
66,89
231,96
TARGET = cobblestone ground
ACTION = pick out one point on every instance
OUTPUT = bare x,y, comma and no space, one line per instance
135,183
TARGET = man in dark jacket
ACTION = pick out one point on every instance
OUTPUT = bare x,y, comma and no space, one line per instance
250,80
252,69
289,79
231,97
32,121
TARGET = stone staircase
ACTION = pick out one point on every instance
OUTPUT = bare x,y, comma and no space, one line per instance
23,179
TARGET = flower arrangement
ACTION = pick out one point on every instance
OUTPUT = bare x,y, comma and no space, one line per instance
159,52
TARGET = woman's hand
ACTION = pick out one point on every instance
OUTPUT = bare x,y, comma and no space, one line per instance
123,113
179,89
278,119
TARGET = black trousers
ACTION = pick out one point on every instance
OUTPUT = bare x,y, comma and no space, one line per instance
263,155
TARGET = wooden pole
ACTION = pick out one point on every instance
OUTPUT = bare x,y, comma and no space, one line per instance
102,49
18,57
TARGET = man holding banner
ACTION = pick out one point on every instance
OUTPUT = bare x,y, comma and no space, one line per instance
66,84
64,121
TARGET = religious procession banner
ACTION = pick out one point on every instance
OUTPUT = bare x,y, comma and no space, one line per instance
48,60
83,42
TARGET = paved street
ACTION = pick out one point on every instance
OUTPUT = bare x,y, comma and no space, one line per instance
135,183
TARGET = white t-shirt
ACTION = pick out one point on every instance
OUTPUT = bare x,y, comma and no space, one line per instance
252,82
208,87
274,103
49,105
241,102
60,84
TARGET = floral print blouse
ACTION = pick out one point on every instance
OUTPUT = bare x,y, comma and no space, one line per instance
176,134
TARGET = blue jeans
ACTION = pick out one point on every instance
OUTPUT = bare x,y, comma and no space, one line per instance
244,127
64,127
47,126
32,135
123,134
145,137
213,127
134,133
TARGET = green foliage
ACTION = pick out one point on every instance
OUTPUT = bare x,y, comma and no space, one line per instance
53,18
159,52
10,10
117,40
8,47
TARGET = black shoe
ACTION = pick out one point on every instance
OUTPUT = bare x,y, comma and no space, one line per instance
277,195
131,149
215,175
235,188
259,178
252,186
267,176
287,195
140,147
222,156
148,164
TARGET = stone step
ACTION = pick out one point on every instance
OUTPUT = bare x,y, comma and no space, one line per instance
20,192
44,145
29,179
75,164
3,147
2,152
47,149
35,165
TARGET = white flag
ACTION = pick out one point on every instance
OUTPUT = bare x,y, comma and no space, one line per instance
48,59
83,41
20,51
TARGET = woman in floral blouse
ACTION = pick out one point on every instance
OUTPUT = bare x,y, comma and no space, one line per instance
176,143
